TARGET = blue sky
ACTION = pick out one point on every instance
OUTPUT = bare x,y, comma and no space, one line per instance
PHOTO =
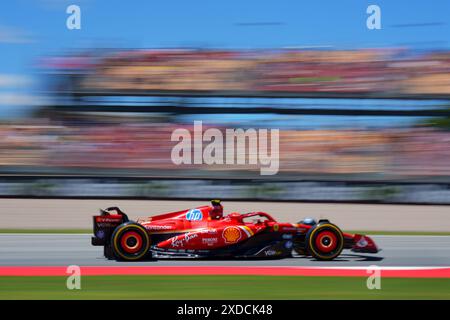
31,29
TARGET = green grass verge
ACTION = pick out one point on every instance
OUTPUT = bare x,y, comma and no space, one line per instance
221,287
379,232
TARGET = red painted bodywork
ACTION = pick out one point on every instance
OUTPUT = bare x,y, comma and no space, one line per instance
193,229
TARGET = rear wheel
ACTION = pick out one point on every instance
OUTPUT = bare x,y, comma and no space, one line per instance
325,241
130,242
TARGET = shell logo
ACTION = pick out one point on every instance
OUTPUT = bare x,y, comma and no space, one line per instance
231,234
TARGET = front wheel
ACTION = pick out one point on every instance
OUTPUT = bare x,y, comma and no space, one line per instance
325,241
130,242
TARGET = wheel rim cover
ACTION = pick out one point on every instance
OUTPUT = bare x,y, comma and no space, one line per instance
131,242
326,241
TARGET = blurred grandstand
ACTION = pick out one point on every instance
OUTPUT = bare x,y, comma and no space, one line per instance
355,125
376,73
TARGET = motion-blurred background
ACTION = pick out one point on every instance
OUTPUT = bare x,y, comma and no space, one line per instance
364,115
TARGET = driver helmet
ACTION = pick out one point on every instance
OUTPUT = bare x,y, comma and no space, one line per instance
216,211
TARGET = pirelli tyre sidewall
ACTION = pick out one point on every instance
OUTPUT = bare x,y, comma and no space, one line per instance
325,241
130,241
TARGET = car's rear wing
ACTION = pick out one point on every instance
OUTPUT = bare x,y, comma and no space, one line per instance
105,224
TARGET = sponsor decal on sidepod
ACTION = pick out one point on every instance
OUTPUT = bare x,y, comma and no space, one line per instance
231,234
180,242
194,215
210,241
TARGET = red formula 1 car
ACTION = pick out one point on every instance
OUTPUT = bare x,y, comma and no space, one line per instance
204,232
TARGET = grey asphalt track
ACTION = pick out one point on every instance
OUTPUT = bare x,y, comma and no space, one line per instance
75,249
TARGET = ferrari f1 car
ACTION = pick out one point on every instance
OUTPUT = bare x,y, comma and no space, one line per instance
204,232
